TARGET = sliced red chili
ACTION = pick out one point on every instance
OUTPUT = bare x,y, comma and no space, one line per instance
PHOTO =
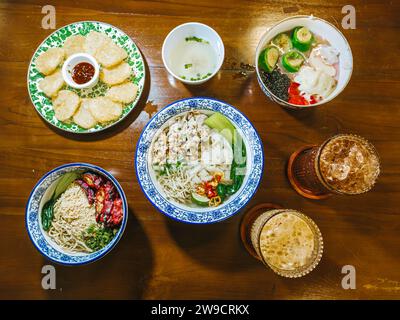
211,193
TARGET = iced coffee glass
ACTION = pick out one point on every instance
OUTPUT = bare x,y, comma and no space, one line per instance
285,240
343,164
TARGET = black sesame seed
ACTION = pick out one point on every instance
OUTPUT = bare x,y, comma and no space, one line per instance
277,82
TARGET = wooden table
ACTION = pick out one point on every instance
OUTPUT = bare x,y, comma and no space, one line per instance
158,258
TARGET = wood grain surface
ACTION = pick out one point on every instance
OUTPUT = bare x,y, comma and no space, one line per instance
158,258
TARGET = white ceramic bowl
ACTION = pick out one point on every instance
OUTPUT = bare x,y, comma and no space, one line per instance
71,62
327,31
191,29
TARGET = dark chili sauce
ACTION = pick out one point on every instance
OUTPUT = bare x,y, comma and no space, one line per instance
83,72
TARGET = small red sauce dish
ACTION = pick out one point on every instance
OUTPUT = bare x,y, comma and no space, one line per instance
81,71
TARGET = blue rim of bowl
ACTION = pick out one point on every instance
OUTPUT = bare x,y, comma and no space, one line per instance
235,211
117,236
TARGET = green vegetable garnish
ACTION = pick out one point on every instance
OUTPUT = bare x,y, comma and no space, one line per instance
188,65
221,190
97,237
196,39
200,77
47,214
167,168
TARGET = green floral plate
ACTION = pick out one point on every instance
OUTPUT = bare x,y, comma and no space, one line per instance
43,104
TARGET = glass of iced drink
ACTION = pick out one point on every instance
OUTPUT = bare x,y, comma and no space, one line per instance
343,164
285,240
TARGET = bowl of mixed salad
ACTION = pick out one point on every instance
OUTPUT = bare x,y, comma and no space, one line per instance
302,62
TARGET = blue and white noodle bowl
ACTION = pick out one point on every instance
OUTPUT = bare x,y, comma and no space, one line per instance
41,193
183,212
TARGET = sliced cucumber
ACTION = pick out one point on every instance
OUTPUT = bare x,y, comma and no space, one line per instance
292,61
268,58
222,124
302,38
199,199
283,41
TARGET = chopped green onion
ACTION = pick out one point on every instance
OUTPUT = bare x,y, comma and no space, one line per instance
194,38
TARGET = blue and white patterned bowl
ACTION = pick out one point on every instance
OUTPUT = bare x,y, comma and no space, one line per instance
255,163
39,196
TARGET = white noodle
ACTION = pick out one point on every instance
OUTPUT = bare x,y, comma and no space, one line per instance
72,216
176,185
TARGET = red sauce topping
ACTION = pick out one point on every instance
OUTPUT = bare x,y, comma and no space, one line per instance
83,72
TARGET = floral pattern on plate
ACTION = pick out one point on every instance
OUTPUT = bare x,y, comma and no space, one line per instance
43,104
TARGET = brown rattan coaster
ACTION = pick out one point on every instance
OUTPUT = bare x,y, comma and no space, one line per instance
294,182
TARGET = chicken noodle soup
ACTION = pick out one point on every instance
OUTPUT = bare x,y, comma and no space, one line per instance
198,158
84,212
299,66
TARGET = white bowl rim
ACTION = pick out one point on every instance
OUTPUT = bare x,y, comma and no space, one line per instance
113,242
188,81
330,97
88,84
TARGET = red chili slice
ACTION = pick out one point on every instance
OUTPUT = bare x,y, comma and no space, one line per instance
211,193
